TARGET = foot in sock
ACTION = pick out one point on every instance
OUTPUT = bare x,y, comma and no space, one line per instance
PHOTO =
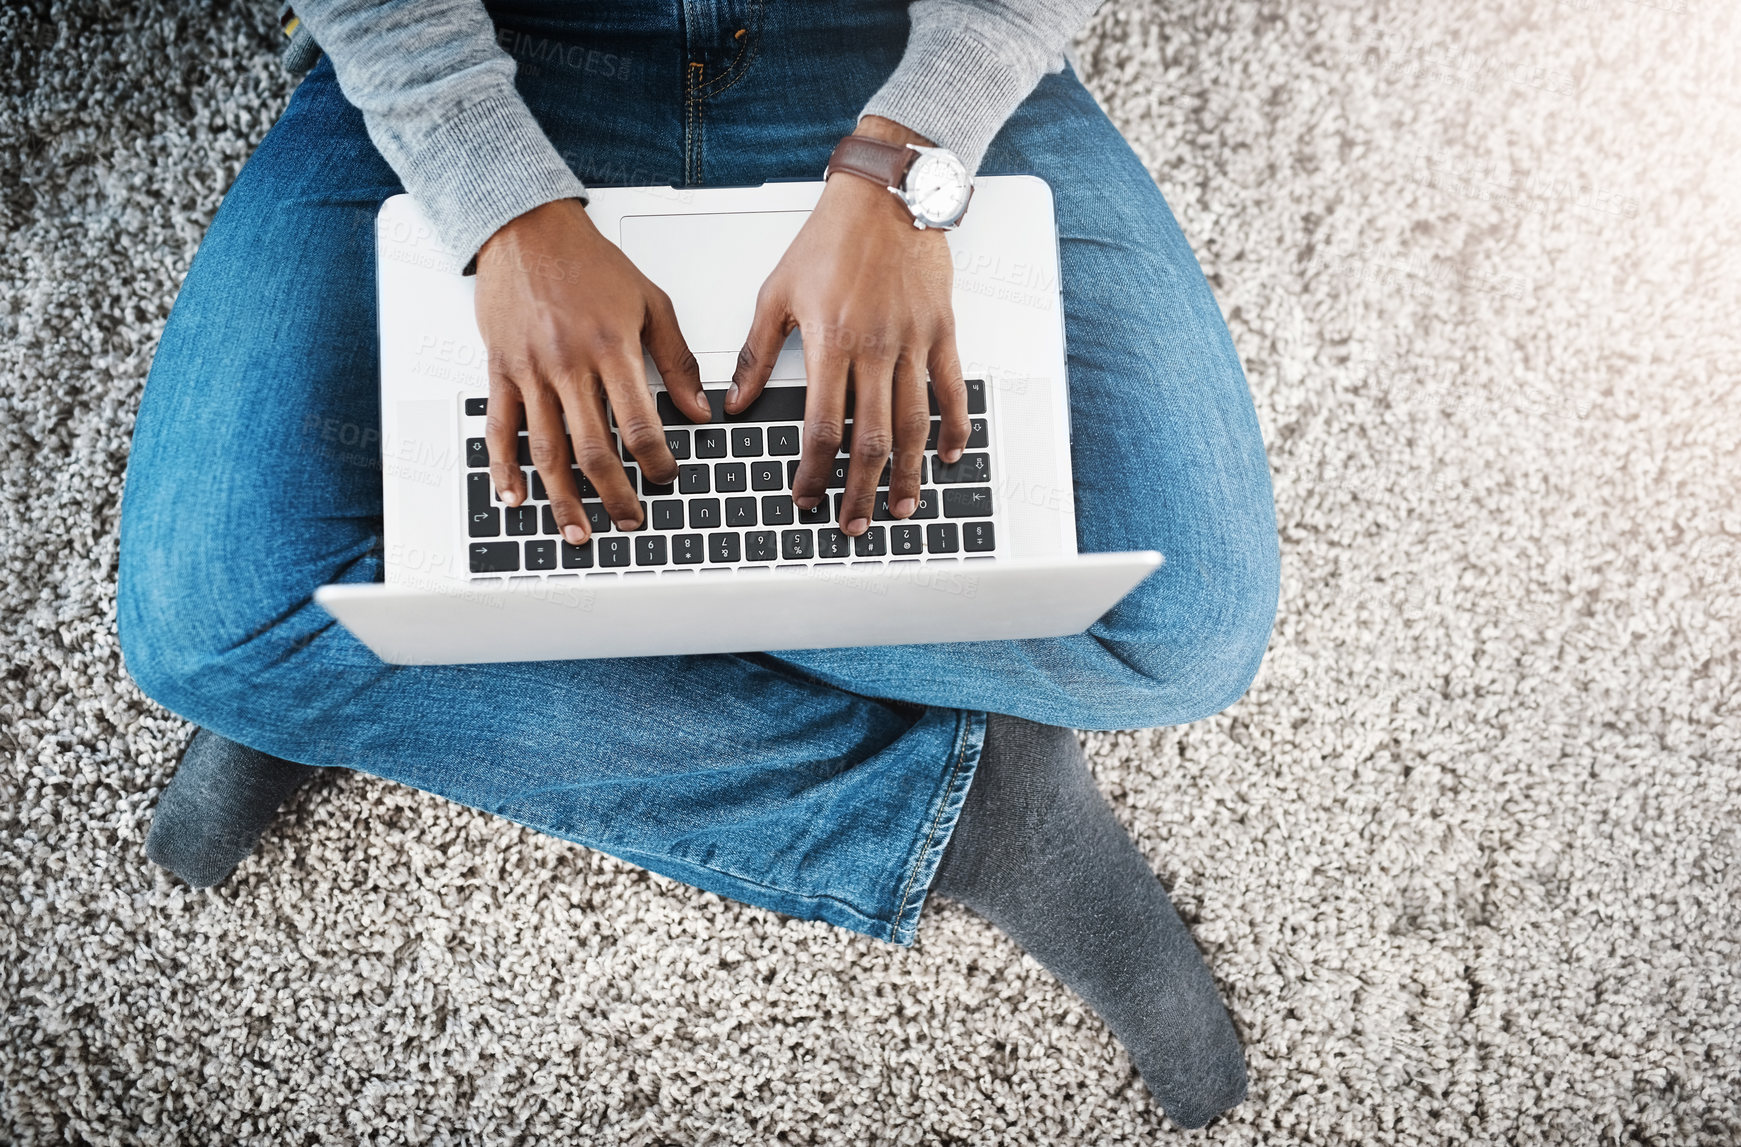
221,798
1038,852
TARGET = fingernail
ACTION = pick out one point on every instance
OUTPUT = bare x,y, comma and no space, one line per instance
627,525
575,535
508,497
806,503
731,393
905,506
952,457
856,526
702,405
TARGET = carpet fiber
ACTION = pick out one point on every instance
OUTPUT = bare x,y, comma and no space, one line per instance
1464,860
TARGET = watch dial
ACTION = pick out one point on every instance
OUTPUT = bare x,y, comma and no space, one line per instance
937,187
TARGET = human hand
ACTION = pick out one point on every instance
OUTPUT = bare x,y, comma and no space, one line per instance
564,315
871,294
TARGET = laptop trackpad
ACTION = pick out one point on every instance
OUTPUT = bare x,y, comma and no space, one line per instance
711,266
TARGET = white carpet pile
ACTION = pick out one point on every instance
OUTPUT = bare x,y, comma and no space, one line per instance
1464,860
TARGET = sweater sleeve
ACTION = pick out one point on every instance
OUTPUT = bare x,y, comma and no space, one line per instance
437,95
970,63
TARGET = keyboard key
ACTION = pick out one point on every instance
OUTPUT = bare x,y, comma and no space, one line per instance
832,544
668,514
978,436
523,450
547,518
971,468
694,479
740,511
652,488
541,555
477,492
905,541
477,407
704,514
643,524
977,537
678,443
776,404
485,523
494,557
932,434
710,443
942,538
791,472
927,507
816,515
880,509
582,483
837,474
777,510
976,396
766,476
597,516
724,548
613,552
634,477
521,520
730,477
797,545
760,546
477,453
746,442
782,440
650,550
873,543
576,557
688,549
967,502
535,486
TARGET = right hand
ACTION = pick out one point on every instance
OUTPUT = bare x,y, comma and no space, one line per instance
564,316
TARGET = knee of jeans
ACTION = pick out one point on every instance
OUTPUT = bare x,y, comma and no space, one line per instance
173,624
1185,651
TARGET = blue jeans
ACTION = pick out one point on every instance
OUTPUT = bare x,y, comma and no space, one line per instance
823,784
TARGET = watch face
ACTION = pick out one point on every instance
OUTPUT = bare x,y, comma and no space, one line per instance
936,188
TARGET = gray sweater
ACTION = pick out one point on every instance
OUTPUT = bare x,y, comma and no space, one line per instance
437,93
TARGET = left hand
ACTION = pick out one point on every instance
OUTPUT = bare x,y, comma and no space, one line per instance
871,294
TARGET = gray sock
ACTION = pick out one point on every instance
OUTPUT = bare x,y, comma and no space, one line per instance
1038,852
223,795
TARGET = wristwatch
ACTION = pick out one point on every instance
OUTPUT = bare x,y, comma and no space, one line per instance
932,183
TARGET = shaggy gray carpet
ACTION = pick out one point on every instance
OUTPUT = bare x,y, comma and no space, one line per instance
1464,859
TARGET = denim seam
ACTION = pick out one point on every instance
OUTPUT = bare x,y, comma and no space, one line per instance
691,123
902,931
647,860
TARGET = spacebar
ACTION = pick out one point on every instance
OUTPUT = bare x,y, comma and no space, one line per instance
777,404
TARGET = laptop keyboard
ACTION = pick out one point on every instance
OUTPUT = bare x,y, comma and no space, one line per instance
730,508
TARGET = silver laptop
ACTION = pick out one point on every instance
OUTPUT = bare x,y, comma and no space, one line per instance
725,562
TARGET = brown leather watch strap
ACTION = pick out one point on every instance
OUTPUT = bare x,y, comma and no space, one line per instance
880,162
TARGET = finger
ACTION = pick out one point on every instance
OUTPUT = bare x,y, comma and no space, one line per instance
912,423
637,415
872,438
544,410
824,420
951,394
589,434
502,437
671,354
761,349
